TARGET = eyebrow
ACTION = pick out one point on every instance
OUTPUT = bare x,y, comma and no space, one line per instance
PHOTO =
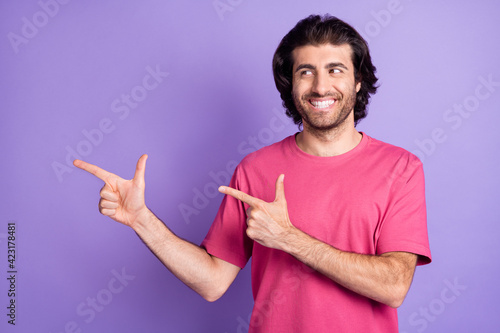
330,65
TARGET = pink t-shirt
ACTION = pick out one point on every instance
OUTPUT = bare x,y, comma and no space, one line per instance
370,200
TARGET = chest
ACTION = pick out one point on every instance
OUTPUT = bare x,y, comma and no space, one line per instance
343,207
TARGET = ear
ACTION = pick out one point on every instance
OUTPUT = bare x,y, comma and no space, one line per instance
358,86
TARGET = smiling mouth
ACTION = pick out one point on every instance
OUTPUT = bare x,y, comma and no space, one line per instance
322,104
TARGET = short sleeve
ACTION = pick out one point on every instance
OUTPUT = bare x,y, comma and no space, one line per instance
404,227
227,238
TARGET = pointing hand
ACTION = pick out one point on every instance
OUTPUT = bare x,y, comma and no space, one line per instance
268,222
122,200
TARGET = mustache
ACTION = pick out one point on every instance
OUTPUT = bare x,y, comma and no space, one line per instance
336,96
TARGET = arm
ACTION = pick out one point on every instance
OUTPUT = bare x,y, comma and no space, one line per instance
385,278
123,201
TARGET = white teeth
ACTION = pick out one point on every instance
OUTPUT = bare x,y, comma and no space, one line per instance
322,104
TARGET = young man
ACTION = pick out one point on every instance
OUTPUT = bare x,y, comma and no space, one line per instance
335,242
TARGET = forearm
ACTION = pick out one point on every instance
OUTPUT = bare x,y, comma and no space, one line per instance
385,278
188,262
123,201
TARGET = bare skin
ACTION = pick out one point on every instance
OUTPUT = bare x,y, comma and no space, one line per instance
385,278
323,90
123,201
324,86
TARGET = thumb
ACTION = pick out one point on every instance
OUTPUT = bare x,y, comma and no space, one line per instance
280,188
140,170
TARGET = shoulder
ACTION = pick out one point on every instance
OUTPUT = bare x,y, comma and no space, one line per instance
395,162
268,154
389,152
259,169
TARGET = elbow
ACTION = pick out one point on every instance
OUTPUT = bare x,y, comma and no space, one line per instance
213,295
393,300
396,302
396,299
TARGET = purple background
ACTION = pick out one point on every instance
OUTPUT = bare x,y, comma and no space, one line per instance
65,70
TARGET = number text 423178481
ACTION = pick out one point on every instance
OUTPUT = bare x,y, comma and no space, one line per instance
11,272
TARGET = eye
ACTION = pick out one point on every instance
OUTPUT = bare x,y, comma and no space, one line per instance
335,71
306,72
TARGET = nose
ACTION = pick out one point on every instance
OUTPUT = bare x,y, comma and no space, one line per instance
321,84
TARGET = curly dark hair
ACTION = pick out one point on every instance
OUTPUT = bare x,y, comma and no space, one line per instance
317,30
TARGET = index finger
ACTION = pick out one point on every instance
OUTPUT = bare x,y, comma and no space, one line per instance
93,169
242,196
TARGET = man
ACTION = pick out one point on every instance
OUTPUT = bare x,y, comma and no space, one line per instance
335,242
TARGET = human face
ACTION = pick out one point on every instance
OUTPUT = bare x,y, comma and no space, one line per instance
324,88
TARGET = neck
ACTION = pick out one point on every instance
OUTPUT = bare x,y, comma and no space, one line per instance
333,142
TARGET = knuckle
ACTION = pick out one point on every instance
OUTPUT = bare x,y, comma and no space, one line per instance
104,190
259,205
254,216
250,234
259,215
